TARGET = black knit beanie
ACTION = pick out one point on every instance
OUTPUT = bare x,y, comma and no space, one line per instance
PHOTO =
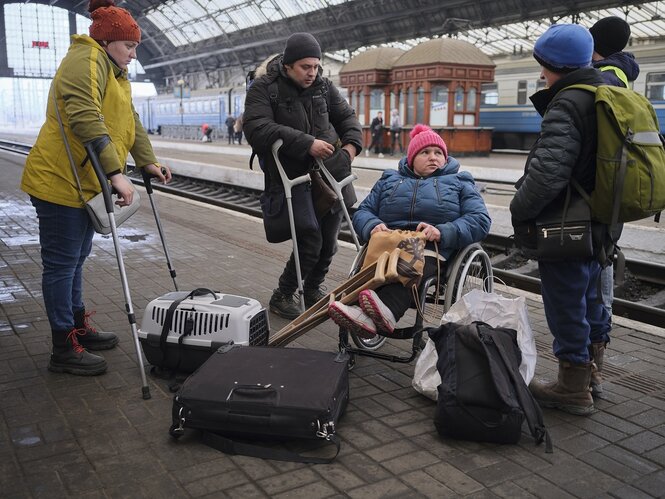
300,46
610,35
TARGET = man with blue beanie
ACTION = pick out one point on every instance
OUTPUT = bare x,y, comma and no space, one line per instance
565,150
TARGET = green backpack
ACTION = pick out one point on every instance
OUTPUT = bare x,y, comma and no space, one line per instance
630,159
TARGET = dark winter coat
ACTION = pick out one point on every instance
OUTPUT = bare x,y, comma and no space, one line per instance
565,149
376,127
447,199
298,116
625,61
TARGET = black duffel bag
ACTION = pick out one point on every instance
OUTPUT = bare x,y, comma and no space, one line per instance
482,396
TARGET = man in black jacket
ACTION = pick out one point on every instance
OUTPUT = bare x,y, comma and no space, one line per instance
566,149
292,101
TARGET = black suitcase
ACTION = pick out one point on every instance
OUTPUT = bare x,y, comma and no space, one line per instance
264,393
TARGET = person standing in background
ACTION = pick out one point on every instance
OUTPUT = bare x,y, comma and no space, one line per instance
618,68
230,121
376,130
237,128
395,132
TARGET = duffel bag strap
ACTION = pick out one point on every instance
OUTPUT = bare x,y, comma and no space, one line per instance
532,411
233,447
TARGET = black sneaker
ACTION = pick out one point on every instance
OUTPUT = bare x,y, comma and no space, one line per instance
284,305
313,295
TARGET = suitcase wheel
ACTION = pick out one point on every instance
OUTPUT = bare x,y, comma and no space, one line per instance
176,431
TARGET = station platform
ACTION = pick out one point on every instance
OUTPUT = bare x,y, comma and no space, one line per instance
68,436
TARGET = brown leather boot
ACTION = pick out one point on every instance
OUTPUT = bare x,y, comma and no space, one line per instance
597,352
570,392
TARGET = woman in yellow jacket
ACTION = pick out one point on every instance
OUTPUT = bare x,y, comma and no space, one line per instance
94,101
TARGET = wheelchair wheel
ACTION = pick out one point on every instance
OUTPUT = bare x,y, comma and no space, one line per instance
472,269
368,343
364,343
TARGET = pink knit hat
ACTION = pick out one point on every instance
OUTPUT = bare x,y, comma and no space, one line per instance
421,137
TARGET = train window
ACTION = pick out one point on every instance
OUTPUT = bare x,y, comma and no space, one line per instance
521,92
214,106
459,99
438,113
489,94
471,99
420,105
655,86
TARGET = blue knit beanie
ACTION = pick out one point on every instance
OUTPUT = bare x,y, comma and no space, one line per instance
564,48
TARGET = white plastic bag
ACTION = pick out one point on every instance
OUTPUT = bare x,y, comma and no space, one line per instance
495,310
426,377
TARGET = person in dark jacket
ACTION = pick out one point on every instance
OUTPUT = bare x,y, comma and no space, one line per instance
376,131
292,101
565,149
610,37
230,121
618,68
426,193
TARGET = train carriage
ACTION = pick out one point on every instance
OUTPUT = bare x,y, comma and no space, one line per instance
505,104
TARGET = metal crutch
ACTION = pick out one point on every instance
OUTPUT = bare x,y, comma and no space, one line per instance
337,187
288,185
148,187
108,202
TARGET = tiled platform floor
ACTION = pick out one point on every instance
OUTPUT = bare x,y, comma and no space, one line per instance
65,436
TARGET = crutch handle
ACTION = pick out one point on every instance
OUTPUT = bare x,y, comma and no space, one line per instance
148,176
91,149
288,183
341,183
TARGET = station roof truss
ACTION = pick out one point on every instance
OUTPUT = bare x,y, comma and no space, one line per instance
192,36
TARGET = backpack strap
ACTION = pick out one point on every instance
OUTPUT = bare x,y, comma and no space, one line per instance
618,72
510,362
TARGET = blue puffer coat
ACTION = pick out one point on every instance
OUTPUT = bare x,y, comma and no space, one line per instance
447,199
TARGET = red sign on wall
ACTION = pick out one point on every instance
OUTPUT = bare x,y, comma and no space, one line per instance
38,44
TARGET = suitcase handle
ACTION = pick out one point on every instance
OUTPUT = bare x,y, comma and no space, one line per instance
264,394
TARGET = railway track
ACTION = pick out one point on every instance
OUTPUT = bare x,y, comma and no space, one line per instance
647,307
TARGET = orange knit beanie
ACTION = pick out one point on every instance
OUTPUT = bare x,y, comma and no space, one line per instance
111,23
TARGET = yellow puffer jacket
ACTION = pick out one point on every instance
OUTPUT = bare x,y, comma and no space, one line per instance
94,99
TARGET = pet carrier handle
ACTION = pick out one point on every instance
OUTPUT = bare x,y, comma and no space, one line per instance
201,292
254,393
91,148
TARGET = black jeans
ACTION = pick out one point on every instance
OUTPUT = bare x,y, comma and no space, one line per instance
376,143
231,134
316,250
398,298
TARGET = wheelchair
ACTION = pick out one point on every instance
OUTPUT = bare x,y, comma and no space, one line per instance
470,268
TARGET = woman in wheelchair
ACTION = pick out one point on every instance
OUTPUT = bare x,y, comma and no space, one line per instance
427,193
